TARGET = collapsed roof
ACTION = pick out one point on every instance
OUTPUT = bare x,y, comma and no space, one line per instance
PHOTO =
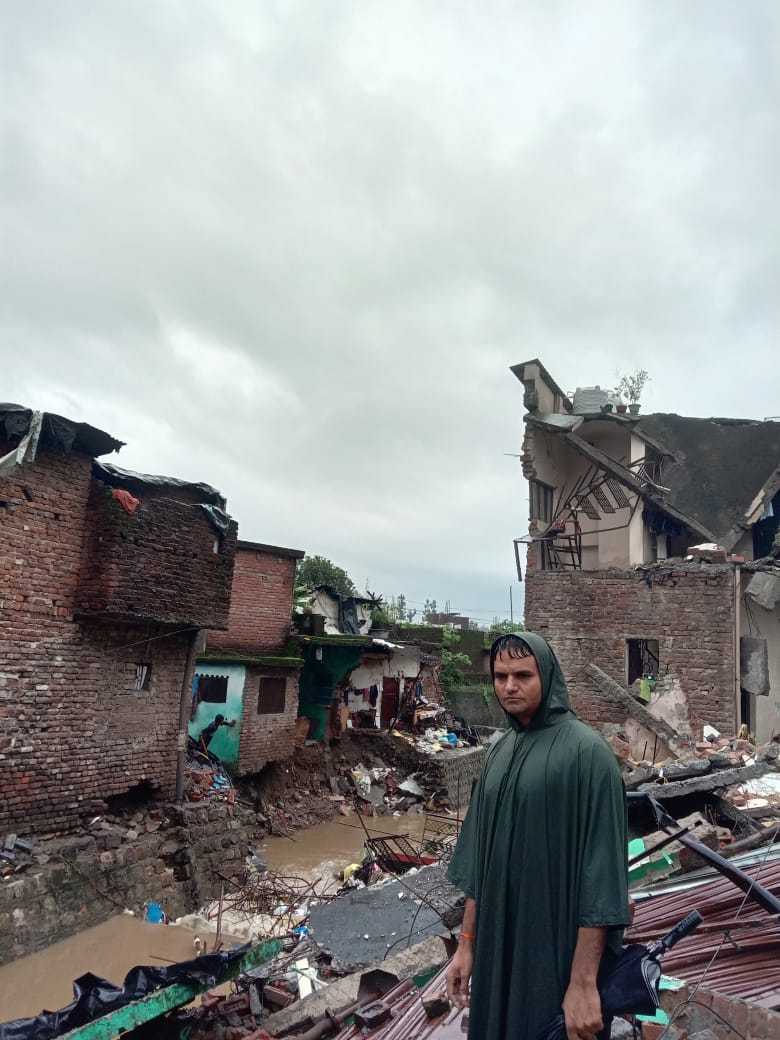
718,469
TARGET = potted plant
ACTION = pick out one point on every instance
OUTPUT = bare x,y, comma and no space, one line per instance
631,387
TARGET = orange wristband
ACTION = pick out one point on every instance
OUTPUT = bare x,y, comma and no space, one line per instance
467,935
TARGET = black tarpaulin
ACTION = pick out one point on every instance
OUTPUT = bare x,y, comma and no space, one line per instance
95,997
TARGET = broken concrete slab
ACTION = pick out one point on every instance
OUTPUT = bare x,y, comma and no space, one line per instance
676,744
764,590
697,785
360,927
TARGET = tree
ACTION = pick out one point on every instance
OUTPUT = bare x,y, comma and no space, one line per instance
504,628
452,661
316,570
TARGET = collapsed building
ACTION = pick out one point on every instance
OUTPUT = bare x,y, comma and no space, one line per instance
652,553
354,675
107,577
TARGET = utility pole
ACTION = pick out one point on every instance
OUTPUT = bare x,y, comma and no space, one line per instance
511,607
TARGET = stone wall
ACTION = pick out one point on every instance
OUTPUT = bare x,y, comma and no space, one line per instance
689,608
89,878
470,703
459,770
267,737
261,603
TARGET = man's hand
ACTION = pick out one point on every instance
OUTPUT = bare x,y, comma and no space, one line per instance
582,1011
582,1003
459,975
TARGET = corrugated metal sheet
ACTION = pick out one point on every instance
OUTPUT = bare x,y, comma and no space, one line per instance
747,961
409,1020
746,964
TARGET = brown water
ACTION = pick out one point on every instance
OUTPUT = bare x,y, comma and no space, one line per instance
44,980
324,851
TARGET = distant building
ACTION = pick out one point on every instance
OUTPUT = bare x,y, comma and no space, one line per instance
106,577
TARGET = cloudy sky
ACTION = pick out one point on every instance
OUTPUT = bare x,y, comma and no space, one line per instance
291,248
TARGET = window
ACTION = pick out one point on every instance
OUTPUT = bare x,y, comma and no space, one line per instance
143,677
212,689
641,659
270,697
540,502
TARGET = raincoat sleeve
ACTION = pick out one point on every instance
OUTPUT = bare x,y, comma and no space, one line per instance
462,871
603,874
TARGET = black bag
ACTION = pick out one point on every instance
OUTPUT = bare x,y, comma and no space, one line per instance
631,985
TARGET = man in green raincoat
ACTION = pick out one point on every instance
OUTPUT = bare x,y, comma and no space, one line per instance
541,859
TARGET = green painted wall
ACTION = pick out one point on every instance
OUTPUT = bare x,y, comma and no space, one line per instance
319,679
226,739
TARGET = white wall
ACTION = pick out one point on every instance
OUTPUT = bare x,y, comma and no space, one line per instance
403,664
765,711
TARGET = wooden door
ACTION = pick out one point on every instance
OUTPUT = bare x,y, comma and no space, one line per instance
389,708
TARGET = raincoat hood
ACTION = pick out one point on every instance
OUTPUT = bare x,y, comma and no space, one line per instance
555,694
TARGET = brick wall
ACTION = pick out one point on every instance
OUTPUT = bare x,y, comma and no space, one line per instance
716,1016
267,737
158,562
73,731
261,603
689,609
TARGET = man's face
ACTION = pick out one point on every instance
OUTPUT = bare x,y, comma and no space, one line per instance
518,686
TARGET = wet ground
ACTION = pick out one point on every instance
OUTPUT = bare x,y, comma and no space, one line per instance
44,979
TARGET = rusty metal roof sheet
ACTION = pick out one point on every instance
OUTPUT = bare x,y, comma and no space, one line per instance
736,950
409,1021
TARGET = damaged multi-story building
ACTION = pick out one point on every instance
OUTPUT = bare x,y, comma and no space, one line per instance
107,578
652,553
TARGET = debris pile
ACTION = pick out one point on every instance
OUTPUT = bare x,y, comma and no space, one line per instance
206,777
15,855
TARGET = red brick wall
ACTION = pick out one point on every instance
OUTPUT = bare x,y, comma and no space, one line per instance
158,562
73,732
266,738
588,615
261,603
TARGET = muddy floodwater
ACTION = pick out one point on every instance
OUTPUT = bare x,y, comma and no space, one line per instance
323,851
44,979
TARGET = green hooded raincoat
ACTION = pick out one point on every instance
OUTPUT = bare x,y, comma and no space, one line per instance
543,853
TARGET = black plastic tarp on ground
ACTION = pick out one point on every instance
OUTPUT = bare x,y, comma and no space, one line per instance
95,997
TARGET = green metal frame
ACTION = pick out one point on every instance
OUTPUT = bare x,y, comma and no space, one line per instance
168,999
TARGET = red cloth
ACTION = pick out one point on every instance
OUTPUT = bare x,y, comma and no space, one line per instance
126,500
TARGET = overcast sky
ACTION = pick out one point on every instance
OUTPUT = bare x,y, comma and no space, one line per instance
291,248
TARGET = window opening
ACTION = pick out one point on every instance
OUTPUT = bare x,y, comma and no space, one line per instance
211,688
271,695
143,677
641,659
